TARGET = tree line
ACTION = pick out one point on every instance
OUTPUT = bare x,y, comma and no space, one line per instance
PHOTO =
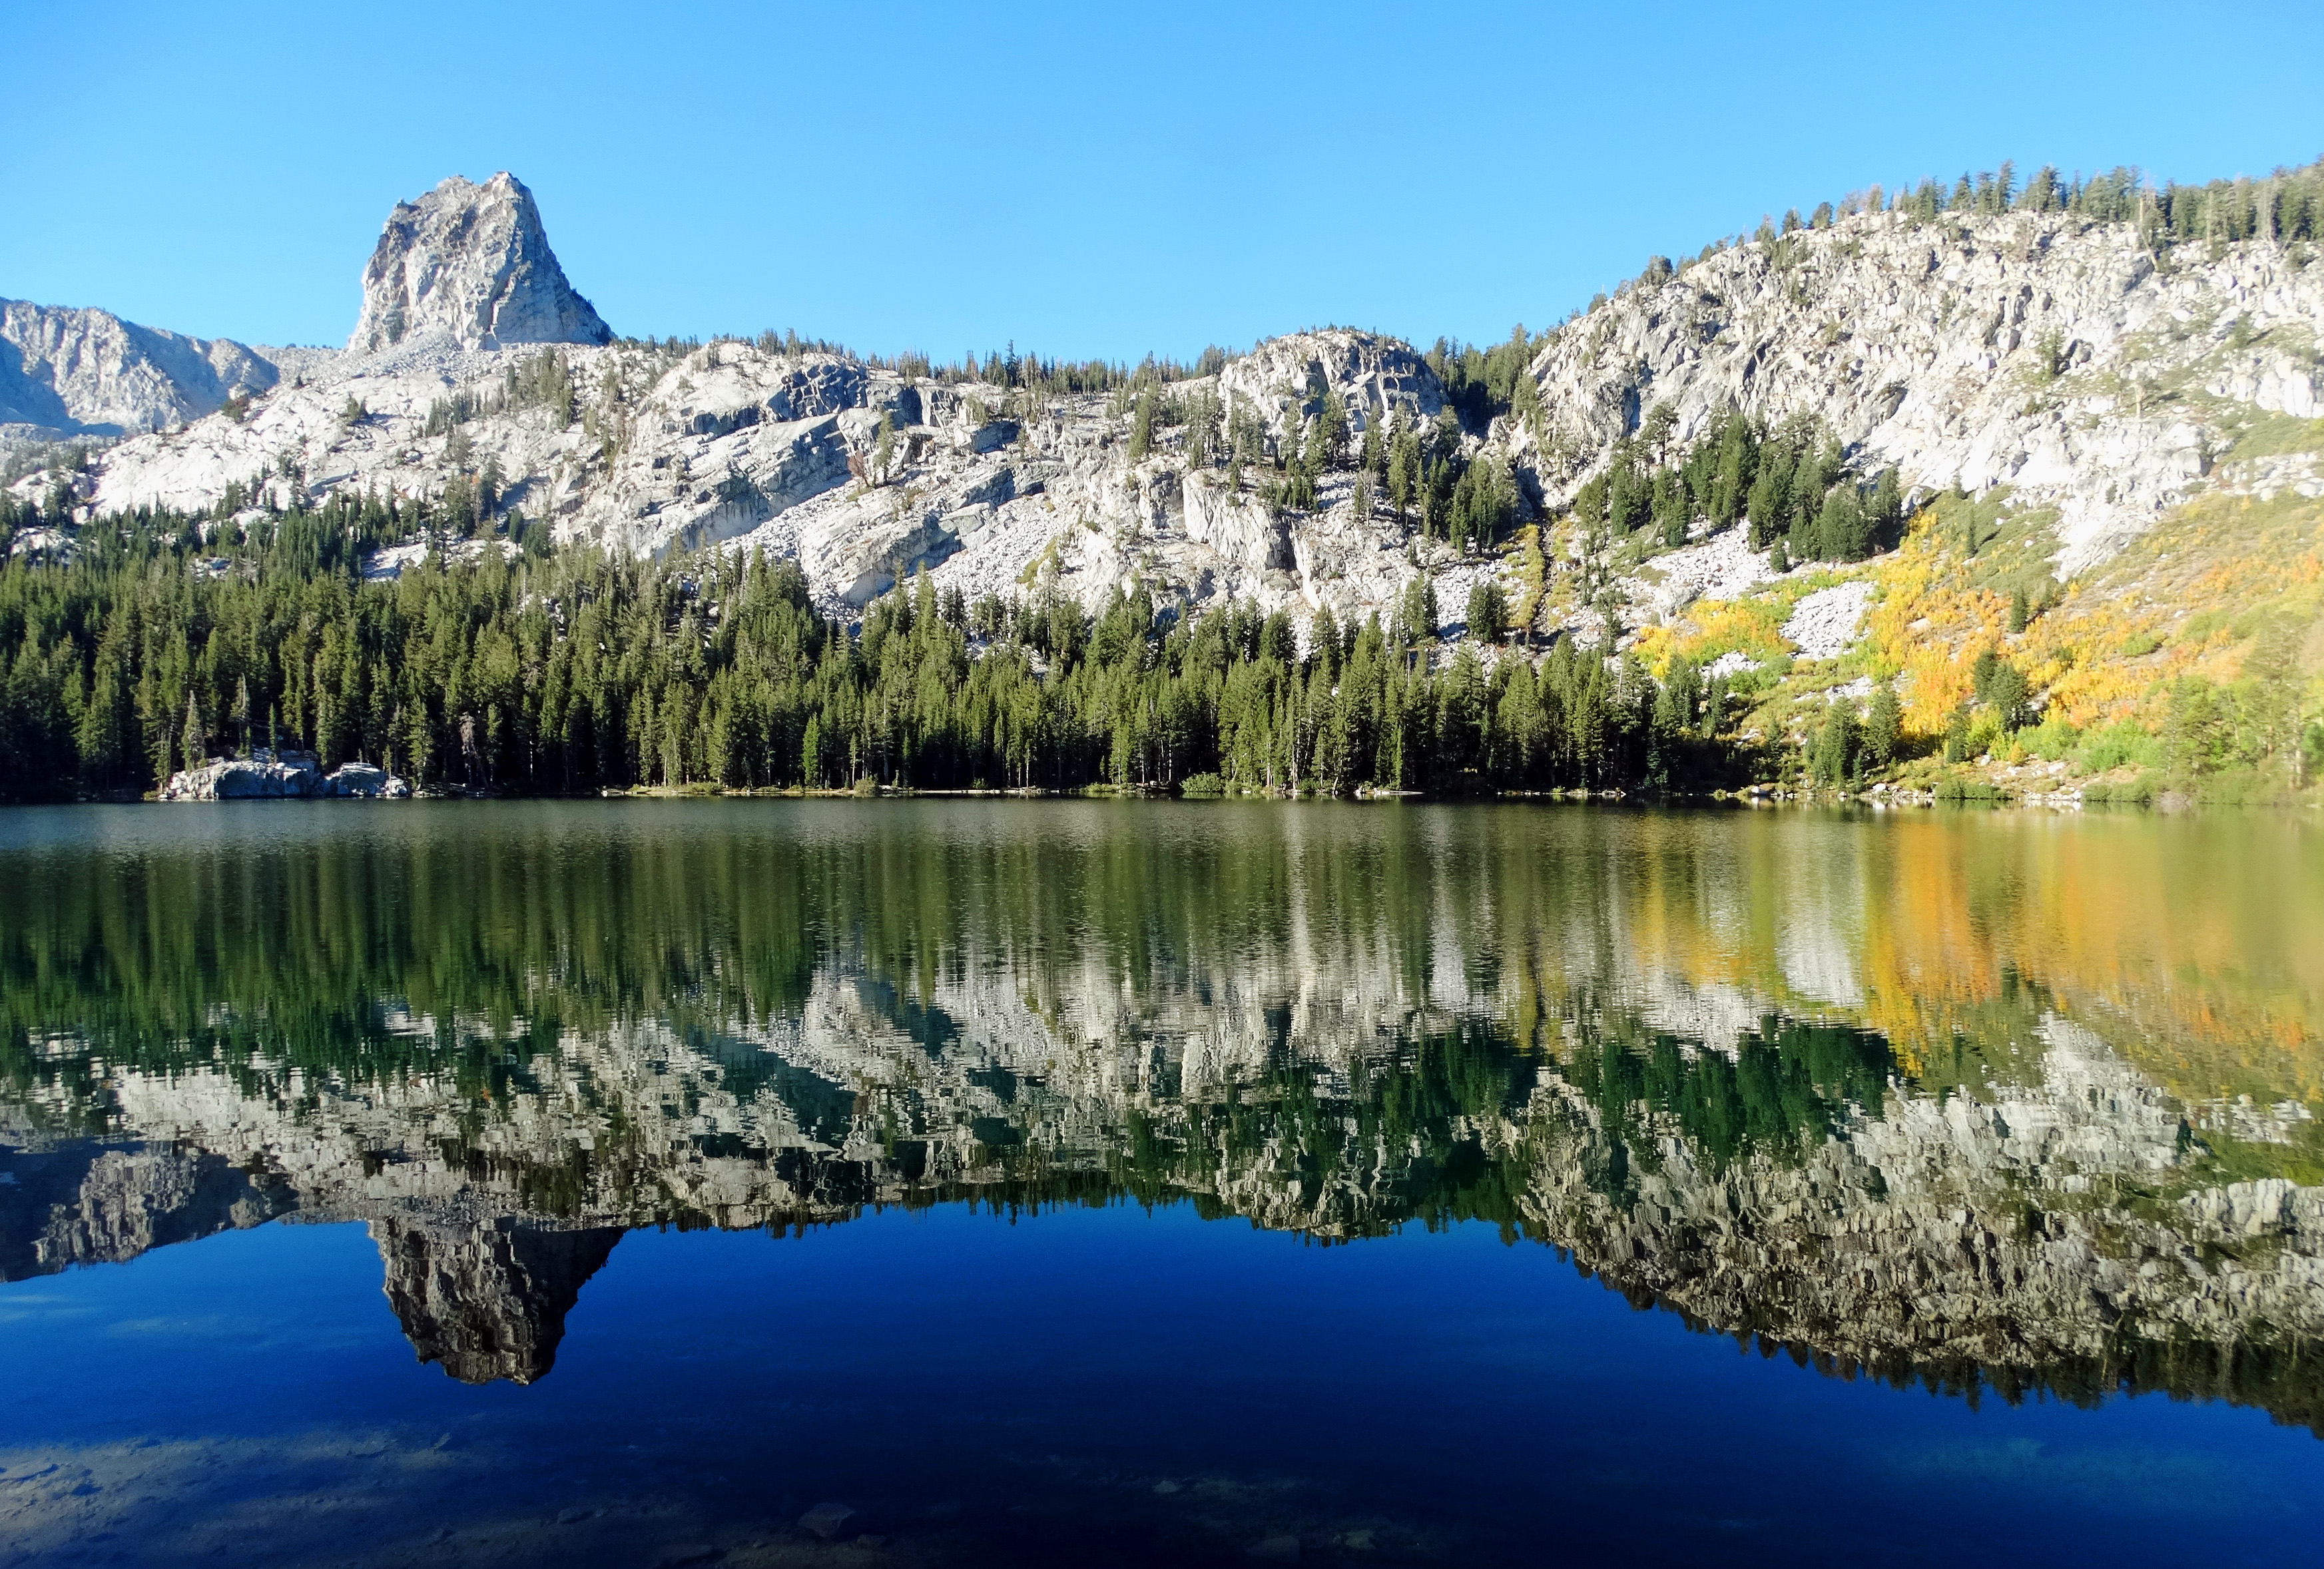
2285,205
151,649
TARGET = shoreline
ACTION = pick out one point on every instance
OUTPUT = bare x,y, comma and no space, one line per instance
1879,799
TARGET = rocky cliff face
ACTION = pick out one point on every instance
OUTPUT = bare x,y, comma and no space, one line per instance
2056,355
66,372
1374,378
2102,382
2054,1230
469,265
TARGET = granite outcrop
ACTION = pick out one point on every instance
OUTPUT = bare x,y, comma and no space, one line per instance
267,774
2099,379
469,265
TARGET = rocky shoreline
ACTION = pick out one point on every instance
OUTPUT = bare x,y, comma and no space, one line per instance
298,776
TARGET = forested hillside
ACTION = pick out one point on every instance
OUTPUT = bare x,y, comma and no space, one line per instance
580,671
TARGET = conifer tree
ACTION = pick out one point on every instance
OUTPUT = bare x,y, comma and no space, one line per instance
1884,725
1488,612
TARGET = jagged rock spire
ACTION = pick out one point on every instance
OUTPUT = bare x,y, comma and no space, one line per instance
470,264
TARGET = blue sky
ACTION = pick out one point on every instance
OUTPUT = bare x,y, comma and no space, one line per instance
1085,180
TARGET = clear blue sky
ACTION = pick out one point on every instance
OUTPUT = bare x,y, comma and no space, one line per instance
1086,178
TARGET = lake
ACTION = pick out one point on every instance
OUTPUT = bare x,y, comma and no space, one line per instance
913,1182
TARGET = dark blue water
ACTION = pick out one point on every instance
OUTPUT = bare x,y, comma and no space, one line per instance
1083,1385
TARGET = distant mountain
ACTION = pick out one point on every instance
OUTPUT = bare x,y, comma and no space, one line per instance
67,372
467,266
2054,345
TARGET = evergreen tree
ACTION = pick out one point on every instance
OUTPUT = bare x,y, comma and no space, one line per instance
1488,612
1835,746
193,744
1883,726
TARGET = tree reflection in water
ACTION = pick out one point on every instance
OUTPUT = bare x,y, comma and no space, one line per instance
2000,1106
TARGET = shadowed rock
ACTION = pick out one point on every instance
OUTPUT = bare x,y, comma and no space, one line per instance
491,1303
93,1204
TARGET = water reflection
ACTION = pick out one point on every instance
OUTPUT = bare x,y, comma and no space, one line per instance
1996,1105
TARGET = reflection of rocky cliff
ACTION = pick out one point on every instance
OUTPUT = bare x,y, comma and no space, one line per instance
2049,1239
488,1303
85,1203
2067,1231
1872,1129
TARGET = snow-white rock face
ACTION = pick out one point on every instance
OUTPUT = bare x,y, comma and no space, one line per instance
470,263
1374,376
2042,351
67,372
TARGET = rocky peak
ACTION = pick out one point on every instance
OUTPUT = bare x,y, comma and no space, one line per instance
71,371
1374,376
470,264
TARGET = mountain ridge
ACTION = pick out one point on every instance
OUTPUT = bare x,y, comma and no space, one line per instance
1712,470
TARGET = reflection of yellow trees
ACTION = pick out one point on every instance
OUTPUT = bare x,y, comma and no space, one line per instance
2196,946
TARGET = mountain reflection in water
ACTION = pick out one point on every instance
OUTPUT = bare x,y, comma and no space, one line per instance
1998,1104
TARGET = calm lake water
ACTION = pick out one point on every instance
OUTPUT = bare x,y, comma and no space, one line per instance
1044,1183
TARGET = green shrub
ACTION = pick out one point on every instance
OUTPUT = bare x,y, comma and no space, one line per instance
2242,787
1984,730
2198,627
2138,792
2119,746
2051,741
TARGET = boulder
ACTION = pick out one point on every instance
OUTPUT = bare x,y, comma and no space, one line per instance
366,782
285,775
826,1520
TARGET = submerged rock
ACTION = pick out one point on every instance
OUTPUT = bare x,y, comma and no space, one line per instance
826,1520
